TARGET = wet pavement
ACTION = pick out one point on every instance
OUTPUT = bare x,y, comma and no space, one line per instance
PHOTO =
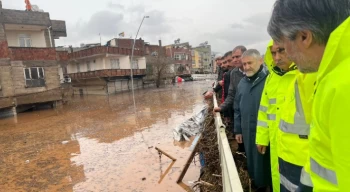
98,143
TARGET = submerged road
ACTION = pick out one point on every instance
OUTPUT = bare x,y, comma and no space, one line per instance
98,143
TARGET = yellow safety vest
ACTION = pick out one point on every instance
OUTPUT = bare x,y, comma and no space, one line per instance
268,119
330,128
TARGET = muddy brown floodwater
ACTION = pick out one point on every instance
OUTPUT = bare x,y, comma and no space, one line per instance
98,143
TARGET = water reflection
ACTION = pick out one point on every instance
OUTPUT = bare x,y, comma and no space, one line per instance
98,143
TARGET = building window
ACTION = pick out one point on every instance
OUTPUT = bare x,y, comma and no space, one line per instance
88,65
25,40
34,77
135,64
115,64
181,56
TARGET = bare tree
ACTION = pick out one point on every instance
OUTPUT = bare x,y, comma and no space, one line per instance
159,65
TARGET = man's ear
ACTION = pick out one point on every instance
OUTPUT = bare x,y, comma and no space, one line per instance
304,39
261,60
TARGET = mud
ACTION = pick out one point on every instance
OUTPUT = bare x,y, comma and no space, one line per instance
98,143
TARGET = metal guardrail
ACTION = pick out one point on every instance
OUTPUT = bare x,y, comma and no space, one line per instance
230,177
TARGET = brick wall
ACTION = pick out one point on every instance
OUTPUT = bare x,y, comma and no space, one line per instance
3,42
62,55
127,43
32,54
103,50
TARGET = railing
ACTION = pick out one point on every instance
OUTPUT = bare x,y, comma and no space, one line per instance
106,73
230,177
104,50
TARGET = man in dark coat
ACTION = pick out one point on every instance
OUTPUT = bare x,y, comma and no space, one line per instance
246,106
235,77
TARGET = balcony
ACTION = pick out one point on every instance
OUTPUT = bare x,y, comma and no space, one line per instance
107,73
32,53
102,50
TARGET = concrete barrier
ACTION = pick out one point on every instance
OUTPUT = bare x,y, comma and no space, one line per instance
230,178
200,77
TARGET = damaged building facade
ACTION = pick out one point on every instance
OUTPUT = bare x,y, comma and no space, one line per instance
29,67
182,57
104,70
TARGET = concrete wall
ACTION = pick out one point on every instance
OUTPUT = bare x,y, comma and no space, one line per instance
101,87
37,37
90,87
52,80
123,85
6,81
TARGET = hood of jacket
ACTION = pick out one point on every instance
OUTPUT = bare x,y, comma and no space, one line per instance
270,63
337,49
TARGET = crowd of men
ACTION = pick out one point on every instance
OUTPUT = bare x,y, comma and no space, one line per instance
288,110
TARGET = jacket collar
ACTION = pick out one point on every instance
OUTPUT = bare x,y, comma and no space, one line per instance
337,49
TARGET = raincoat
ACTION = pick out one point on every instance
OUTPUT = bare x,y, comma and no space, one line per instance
330,130
268,118
246,106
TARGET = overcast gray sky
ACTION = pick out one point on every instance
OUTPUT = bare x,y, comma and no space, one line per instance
223,23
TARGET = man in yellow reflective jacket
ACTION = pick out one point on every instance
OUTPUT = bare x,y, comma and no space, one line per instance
281,70
316,35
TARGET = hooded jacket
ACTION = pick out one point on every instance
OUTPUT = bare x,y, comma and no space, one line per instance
268,118
329,138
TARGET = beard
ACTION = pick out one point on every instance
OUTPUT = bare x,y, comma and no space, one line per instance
249,73
304,63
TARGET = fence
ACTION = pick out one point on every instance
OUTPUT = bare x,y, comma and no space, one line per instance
230,177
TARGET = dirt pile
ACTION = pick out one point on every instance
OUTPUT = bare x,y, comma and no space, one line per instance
210,179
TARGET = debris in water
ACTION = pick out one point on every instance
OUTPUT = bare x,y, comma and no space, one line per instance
64,142
191,127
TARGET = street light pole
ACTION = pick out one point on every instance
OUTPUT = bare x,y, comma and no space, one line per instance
131,62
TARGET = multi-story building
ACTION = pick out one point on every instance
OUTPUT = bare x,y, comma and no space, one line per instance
29,68
103,70
159,66
202,59
182,56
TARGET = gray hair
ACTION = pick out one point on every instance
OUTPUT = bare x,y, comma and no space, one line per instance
239,47
252,53
321,17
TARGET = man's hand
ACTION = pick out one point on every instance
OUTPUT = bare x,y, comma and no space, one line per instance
208,95
216,109
261,149
239,138
221,83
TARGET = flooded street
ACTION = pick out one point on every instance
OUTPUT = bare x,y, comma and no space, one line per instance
98,143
